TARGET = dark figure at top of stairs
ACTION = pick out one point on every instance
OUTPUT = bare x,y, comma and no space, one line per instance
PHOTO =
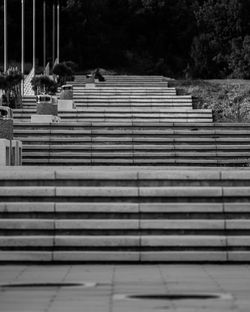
98,75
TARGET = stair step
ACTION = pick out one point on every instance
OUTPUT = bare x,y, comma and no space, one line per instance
116,215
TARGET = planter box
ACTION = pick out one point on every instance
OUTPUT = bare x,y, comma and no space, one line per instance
90,85
66,105
45,119
67,92
6,129
46,109
16,153
5,152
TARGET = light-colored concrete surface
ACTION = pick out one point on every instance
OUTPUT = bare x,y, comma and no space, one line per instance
106,287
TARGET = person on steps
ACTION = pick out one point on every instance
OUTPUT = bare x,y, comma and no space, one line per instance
98,75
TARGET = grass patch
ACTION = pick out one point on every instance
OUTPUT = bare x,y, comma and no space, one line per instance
229,99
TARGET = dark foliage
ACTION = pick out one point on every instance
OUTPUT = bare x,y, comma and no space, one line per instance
43,84
178,38
64,72
10,83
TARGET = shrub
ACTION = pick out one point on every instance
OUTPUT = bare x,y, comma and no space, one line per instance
11,84
43,84
229,102
64,72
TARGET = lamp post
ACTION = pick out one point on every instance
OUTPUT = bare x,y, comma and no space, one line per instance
34,36
5,36
44,33
22,44
53,33
58,31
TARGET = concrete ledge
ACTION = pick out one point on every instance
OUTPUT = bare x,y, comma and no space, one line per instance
240,241
97,207
96,191
237,207
26,241
38,256
236,191
180,175
26,224
27,207
97,224
238,224
235,175
184,241
181,207
180,191
184,256
239,256
87,256
22,174
27,191
97,241
182,224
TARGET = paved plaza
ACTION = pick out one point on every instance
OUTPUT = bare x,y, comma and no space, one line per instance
101,288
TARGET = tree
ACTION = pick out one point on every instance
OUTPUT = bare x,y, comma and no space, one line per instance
63,72
218,22
43,85
11,84
239,60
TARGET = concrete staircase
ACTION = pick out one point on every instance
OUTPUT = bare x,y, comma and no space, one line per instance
131,176
135,143
122,99
126,81
132,215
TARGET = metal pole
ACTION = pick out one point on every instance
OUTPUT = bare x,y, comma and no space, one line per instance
53,34
22,53
22,44
34,36
5,36
58,30
44,33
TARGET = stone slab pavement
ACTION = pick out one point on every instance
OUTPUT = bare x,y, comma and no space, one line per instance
103,288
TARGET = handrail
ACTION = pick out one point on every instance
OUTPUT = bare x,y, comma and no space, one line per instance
47,70
27,83
55,63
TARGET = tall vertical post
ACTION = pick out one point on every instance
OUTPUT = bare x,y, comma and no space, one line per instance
53,33
5,36
58,30
22,52
34,36
22,44
44,33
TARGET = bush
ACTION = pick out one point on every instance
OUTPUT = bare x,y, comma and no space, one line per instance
43,84
64,72
239,60
230,102
11,84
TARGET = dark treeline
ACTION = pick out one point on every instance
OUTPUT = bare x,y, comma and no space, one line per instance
178,38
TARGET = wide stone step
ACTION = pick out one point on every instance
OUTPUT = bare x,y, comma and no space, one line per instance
86,214
120,84
194,127
121,161
122,110
124,90
158,194
136,106
49,145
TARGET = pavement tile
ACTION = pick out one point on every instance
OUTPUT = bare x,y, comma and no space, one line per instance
125,279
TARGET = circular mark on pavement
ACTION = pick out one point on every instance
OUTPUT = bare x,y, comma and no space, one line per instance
191,296
46,285
175,296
